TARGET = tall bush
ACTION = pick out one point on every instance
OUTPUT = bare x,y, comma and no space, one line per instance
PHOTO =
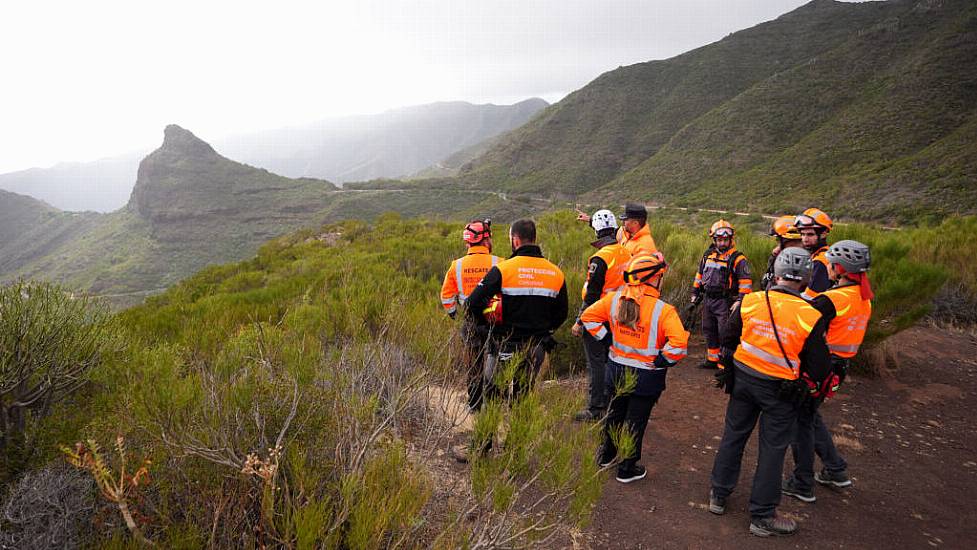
49,343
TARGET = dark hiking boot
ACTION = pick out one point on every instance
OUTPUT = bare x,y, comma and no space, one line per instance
833,479
605,458
588,415
717,504
634,472
710,365
772,526
790,487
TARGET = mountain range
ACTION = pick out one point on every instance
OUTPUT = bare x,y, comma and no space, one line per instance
866,109
395,143
190,208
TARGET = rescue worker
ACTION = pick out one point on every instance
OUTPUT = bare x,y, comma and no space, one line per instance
723,278
634,234
533,300
787,236
459,282
847,307
780,345
646,339
605,274
814,226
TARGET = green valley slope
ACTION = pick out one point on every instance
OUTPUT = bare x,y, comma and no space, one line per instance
191,208
865,108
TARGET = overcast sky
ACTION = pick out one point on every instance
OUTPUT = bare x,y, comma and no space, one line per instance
88,79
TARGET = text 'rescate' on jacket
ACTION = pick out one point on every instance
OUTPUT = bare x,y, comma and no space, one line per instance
463,276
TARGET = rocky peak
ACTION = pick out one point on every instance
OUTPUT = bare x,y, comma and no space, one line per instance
182,142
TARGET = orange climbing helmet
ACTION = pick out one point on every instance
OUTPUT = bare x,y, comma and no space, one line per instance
722,228
815,219
477,231
784,228
642,269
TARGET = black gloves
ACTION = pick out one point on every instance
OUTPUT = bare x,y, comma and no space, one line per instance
725,377
796,392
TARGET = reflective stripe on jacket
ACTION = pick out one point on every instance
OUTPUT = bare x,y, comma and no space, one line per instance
639,244
463,276
534,295
659,331
616,257
758,349
847,330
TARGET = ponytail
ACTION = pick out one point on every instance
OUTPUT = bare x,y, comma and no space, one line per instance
628,312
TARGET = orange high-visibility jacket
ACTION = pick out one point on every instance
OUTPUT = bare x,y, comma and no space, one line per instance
463,275
639,244
659,331
819,274
616,257
715,273
847,330
758,349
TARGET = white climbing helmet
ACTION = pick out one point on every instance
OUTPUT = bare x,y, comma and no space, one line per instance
603,219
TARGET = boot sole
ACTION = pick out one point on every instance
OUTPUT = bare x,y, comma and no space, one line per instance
718,510
830,483
801,497
630,479
758,531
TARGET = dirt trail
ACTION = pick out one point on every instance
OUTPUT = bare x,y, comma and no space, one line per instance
908,437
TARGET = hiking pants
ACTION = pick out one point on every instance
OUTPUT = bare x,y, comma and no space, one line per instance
715,313
474,340
755,399
596,352
532,353
633,408
813,438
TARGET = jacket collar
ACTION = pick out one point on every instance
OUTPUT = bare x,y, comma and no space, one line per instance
478,249
786,290
604,241
528,250
723,255
646,230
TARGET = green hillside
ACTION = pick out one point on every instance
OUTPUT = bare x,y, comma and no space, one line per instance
865,108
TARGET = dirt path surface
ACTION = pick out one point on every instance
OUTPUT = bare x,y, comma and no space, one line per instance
908,436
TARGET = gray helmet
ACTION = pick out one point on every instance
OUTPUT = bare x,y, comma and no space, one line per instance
794,264
853,256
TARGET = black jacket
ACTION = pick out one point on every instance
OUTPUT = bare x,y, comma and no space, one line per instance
523,317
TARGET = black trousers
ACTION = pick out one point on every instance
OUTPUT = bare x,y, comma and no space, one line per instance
812,438
755,399
530,354
631,409
596,352
474,340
